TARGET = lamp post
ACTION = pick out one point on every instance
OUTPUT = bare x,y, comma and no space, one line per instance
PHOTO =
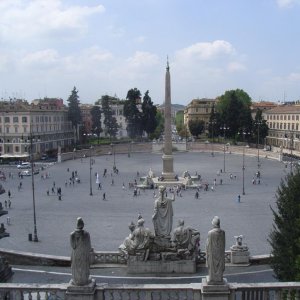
91,191
243,167
114,154
224,128
35,237
213,123
291,149
258,123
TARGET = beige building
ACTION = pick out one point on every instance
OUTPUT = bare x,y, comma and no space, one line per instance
284,126
199,109
46,122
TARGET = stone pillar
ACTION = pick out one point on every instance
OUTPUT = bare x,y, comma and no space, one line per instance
168,172
215,291
86,292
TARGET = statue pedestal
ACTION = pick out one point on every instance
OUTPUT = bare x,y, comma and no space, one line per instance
240,257
215,291
136,266
85,292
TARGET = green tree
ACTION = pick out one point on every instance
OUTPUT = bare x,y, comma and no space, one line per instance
285,236
196,127
259,126
110,122
160,121
148,114
96,121
179,119
235,113
214,123
74,112
132,114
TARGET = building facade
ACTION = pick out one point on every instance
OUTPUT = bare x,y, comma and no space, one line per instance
45,124
284,126
199,110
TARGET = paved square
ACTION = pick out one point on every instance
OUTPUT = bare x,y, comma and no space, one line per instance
107,221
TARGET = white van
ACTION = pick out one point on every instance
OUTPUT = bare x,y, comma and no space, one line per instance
24,165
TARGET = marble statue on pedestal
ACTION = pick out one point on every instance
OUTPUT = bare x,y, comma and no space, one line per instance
215,253
186,239
163,214
80,258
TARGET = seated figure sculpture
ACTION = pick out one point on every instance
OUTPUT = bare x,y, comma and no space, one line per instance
139,240
186,240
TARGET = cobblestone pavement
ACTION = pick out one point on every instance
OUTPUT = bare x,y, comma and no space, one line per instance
107,221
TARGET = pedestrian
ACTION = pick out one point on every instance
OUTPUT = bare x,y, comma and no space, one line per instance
221,181
5,203
9,193
53,183
197,195
215,182
8,220
112,182
239,198
52,189
104,196
123,186
47,192
9,203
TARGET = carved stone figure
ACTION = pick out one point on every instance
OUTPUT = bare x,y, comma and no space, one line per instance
215,253
128,244
186,238
163,214
80,258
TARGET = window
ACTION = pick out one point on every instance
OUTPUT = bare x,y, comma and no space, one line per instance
281,117
37,119
0,129
289,117
24,128
6,119
24,119
293,117
46,119
16,129
15,119
297,118
277,117
17,149
7,129
285,117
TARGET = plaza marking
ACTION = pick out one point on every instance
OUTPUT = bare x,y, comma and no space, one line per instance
140,278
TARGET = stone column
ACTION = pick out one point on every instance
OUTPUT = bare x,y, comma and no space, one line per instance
168,172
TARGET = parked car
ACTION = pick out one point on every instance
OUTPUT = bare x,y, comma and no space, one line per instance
24,165
28,172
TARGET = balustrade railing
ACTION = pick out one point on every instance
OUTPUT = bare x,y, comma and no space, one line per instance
238,291
32,291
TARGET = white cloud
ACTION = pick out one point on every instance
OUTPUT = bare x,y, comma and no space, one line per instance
293,77
206,51
142,59
236,67
36,18
287,3
41,58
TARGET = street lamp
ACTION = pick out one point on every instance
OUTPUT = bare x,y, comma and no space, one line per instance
91,191
35,237
114,153
212,133
224,128
258,123
243,167
291,148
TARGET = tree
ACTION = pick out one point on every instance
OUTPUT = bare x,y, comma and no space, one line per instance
132,114
160,121
110,122
285,236
196,127
260,125
179,121
148,114
96,121
235,113
74,112
214,123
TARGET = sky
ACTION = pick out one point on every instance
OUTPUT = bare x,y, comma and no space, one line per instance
110,46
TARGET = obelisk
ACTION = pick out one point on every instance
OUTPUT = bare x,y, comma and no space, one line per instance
168,172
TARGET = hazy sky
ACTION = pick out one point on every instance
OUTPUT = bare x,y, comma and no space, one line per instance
110,46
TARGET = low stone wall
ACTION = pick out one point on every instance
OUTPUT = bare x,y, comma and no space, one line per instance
97,258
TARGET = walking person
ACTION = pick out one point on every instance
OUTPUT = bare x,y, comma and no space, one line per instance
9,203
9,193
104,196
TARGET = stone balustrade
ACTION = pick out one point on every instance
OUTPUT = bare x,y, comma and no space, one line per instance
237,291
